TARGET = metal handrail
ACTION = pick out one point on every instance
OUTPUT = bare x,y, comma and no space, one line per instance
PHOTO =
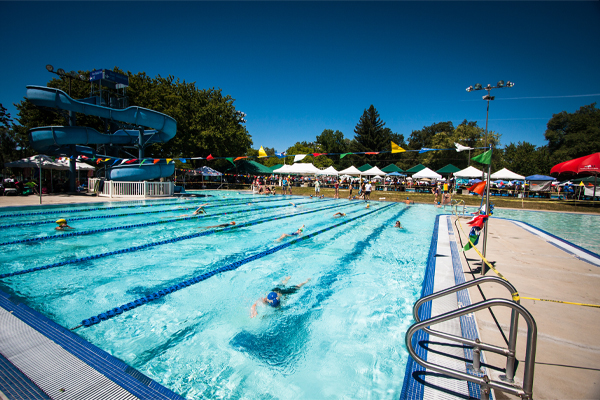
509,352
527,391
454,205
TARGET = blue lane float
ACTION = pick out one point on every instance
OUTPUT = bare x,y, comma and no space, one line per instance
139,213
230,267
141,225
153,244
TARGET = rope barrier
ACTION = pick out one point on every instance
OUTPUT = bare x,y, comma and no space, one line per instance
515,296
230,267
133,214
166,241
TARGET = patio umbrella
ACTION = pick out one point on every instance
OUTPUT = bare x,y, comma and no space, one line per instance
586,165
38,161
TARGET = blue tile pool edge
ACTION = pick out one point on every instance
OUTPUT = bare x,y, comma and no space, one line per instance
114,369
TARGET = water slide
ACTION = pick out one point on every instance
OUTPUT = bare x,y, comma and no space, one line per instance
60,139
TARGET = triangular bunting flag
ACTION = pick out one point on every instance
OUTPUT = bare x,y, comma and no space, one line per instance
210,157
131,161
156,160
485,158
425,150
317,154
240,158
396,148
183,160
460,147
262,153
478,188
230,159
143,161
280,155
372,152
169,160
299,157
344,155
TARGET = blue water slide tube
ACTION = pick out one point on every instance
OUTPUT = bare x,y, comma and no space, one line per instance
55,138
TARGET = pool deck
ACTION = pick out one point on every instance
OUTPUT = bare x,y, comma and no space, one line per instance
537,264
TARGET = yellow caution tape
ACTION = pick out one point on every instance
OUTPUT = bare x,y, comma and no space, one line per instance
515,296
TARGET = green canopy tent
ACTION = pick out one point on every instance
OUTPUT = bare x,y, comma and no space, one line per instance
248,167
415,169
392,168
447,170
365,167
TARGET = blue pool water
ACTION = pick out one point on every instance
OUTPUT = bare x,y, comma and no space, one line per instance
340,336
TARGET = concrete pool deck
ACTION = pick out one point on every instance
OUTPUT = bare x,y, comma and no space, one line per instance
568,348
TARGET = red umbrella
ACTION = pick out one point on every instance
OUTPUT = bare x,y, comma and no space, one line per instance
587,165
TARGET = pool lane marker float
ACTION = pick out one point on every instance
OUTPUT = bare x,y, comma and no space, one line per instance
230,267
141,225
163,203
135,213
166,241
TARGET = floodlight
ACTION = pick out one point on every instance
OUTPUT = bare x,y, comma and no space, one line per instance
510,84
470,89
488,86
478,86
60,71
500,84
50,68
82,77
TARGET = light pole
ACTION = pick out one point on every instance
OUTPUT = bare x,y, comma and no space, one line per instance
72,121
488,97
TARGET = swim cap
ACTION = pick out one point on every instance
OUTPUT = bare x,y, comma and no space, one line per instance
274,300
61,221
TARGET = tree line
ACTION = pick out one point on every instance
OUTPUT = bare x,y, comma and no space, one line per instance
208,123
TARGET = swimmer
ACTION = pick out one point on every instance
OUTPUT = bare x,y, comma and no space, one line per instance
407,201
298,232
199,210
339,214
219,226
368,205
398,225
294,204
62,225
276,294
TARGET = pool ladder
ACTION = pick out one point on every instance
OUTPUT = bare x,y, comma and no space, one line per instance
506,382
455,204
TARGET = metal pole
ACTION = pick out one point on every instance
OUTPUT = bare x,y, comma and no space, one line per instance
40,187
487,190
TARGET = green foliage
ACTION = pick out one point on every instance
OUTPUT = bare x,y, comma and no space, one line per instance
573,135
526,159
11,144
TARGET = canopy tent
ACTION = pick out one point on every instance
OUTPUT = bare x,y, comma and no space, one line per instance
350,171
392,168
204,171
539,178
469,172
248,167
364,167
448,169
395,174
586,165
415,169
37,161
507,175
373,171
284,169
274,167
426,173
299,169
329,171
79,166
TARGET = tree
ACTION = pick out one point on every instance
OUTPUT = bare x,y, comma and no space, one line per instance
10,145
424,137
332,142
572,135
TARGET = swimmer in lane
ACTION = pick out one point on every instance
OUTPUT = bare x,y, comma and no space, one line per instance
339,214
398,225
219,226
276,294
198,211
62,225
298,232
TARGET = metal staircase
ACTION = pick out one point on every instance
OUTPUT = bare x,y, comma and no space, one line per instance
507,382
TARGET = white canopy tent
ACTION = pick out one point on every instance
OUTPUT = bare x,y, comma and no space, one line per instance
283,170
427,173
299,169
80,166
329,171
469,172
351,171
507,175
373,171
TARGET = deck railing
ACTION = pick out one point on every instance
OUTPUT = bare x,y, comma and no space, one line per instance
131,189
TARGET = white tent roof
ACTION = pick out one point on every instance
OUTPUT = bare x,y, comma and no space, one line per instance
78,165
506,175
469,172
283,170
298,168
329,171
373,171
426,173
351,171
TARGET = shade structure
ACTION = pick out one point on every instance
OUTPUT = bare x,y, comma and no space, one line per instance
373,172
469,172
448,169
284,169
392,168
350,171
427,173
506,175
415,169
589,165
395,174
329,171
364,167
274,167
35,161
79,166
539,178
298,169
248,167
204,171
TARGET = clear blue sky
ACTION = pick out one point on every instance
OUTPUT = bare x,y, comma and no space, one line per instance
297,68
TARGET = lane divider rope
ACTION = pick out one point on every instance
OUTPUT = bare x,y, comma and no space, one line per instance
152,244
230,267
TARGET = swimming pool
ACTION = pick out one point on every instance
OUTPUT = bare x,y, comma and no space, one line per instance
340,336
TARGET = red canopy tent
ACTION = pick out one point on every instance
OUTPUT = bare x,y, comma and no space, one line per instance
586,165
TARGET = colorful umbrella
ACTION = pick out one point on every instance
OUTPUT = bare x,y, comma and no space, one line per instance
587,165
